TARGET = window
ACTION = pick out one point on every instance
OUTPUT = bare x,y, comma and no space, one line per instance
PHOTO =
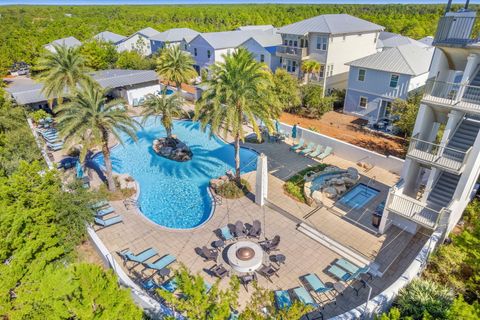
394,80
262,58
321,73
363,102
294,66
281,60
361,74
330,70
295,43
302,43
285,42
186,46
290,43
209,54
322,43
195,52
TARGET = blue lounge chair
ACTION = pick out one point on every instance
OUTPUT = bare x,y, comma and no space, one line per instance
226,233
143,256
161,263
99,204
304,297
300,144
308,148
325,153
50,135
340,273
104,212
347,265
282,299
315,153
315,283
149,285
170,285
108,222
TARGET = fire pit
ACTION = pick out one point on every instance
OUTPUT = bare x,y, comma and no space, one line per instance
245,256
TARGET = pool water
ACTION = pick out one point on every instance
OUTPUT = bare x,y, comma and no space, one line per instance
359,196
169,92
175,194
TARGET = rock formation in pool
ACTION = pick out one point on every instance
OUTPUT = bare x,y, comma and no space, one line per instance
172,148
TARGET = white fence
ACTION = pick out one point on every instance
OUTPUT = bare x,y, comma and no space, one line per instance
348,151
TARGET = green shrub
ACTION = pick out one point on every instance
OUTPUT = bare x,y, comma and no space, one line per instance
294,186
38,115
232,190
314,105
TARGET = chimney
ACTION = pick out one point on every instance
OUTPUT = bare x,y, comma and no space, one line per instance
466,4
449,6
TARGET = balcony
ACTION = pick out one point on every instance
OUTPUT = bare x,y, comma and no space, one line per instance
455,31
438,155
459,96
292,52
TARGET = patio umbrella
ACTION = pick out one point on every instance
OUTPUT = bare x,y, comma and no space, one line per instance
79,170
294,131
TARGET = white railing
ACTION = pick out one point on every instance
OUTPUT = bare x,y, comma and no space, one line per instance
466,97
292,51
437,154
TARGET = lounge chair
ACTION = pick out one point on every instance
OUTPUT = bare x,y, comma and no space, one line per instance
219,271
347,265
255,230
340,273
99,204
55,147
325,153
271,245
299,145
104,212
108,222
240,230
308,149
268,271
282,299
304,297
209,254
226,234
314,283
316,152
161,263
149,285
170,285
129,256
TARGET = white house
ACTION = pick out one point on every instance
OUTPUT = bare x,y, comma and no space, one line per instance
388,40
108,36
69,42
177,36
139,41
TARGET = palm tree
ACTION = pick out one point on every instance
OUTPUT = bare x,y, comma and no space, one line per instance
61,71
310,67
89,119
175,65
168,107
240,89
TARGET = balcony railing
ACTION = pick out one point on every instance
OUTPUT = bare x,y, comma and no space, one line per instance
292,51
455,31
438,155
462,96
413,209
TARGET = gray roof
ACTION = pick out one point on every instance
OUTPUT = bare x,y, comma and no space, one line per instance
256,27
407,59
391,40
331,24
69,42
232,39
147,32
427,40
27,91
109,37
175,35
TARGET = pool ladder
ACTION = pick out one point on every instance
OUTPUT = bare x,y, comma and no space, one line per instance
131,203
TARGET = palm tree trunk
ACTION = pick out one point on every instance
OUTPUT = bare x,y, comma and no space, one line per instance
179,86
237,158
108,163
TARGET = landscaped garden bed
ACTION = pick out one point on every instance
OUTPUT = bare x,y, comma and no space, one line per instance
295,185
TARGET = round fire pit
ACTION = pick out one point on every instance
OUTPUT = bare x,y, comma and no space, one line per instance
245,256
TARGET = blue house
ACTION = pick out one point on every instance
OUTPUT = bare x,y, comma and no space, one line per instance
376,80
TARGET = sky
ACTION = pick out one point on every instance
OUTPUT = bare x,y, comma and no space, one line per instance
151,2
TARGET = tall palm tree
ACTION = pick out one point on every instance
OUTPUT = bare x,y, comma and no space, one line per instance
310,67
61,71
240,89
89,119
175,65
168,107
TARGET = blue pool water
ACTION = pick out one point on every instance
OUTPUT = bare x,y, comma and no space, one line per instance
169,92
175,194
358,196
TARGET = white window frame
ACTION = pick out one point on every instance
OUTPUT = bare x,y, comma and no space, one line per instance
360,102
364,75
322,43
398,79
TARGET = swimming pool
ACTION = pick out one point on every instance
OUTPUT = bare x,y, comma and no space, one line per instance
358,196
175,194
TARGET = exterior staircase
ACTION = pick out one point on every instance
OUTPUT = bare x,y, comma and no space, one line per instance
472,92
443,190
465,135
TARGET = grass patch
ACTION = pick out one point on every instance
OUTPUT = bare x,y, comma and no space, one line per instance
233,190
294,186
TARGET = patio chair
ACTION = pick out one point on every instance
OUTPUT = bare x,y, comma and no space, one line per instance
240,230
283,300
268,271
129,256
328,150
170,285
209,254
99,204
299,145
315,153
226,234
219,271
339,273
302,295
149,285
271,245
161,263
313,282
104,212
347,265
108,222
255,230
308,149
246,279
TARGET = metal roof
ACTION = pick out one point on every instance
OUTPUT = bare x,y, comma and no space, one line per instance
407,59
69,42
175,35
256,27
147,32
427,40
26,91
232,39
331,24
109,37
391,40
